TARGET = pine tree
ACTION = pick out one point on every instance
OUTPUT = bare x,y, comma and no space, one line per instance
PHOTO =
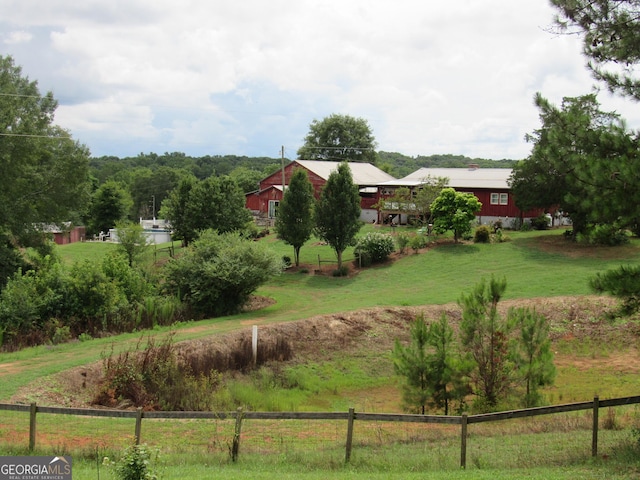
294,222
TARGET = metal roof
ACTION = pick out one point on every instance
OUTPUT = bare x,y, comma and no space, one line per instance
362,173
458,177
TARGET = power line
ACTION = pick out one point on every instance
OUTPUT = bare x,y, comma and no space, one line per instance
28,135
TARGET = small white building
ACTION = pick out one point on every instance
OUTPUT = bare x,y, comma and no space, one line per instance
156,231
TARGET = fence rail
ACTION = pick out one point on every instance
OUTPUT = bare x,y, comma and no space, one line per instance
350,417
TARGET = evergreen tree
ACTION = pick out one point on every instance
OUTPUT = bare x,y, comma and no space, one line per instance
611,35
534,356
294,222
485,338
413,364
337,212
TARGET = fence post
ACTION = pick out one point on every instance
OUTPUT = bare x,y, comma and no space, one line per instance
235,447
32,426
463,441
594,435
350,420
138,424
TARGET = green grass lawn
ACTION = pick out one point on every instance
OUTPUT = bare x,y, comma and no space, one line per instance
535,264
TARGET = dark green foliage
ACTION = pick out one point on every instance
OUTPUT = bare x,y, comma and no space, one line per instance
583,161
87,298
623,283
374,247
402,165
149,187
482,235
434,373
10,260
611,35
455,211
534,356
541,222
219,272
339,138
499,360
337,212
609,234
177,209
485,339
43,171
216,203
109,205
294,222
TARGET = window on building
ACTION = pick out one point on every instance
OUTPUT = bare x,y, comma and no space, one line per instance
499,199
273,208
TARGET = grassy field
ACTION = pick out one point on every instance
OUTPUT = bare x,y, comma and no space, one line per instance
535,264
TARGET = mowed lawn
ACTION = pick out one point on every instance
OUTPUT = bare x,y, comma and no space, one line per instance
535,264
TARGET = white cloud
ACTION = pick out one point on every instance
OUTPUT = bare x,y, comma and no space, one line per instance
245,77
19,36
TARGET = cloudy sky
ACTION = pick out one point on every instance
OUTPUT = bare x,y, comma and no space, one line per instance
245,77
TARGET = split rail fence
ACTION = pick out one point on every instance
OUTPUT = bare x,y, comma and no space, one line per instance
350,418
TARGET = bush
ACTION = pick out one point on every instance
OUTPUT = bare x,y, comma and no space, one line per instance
403,241
541,222
417,242
218,273
374,247
482,235
135,464
343,271
609,235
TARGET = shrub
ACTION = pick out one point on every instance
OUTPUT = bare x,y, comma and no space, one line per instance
342,271
403,241
541,222
482,235
218,273
375,247
417,242
135,464
608,234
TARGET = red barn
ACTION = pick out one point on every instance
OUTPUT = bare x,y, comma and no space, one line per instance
266,199
490,185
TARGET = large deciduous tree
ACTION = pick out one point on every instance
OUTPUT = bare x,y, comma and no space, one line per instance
339,138
194,206
337,212
110,204
611,39
453,210
294,222
43,171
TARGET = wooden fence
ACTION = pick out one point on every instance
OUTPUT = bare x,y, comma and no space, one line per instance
350,417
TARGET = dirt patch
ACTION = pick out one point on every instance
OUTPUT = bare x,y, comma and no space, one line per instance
320,338
558,244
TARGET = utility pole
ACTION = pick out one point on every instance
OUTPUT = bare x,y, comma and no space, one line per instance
282,160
